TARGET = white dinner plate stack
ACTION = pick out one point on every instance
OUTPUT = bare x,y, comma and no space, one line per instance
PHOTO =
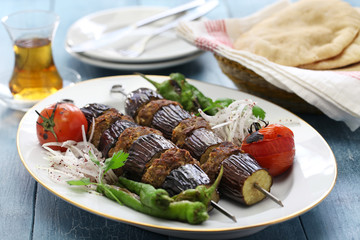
163,50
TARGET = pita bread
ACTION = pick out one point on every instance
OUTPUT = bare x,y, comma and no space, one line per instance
350,55
307,31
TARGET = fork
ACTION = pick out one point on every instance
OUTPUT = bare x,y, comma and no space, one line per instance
137,48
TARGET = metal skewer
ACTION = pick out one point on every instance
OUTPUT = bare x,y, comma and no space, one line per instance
223,210
118,88
268,194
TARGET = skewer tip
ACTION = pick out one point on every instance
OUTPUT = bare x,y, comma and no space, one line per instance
223,210
268,194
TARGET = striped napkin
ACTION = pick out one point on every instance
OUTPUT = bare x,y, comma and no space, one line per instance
335,93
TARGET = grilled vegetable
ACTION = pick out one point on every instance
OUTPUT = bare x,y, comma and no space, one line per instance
146,113
142,151
188,176
167,118
149,196
186,127
110,136
138,98
161,167
273,147
129,135
60,122
216,156
178,89
93,110
145,198
200,140
241,172
185,211
103,122
202,193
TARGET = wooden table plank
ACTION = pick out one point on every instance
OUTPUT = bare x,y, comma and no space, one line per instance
16,184
57,219
338,216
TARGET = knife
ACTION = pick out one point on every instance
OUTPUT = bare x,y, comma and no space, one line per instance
198,12
113,36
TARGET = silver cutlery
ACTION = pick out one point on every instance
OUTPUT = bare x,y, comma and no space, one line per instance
137,48
110,37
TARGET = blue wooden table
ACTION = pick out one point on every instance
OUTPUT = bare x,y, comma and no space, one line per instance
29,211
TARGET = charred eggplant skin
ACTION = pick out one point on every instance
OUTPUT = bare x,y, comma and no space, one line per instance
238,169
93,110
110,135
168,117
138,98
146,113
161,166
142,151
199,140
188,176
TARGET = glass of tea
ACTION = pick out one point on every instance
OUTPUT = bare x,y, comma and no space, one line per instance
35,75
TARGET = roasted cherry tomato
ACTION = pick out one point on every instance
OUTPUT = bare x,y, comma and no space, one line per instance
273,148
60,122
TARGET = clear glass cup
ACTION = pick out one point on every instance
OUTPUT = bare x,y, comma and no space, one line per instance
35,75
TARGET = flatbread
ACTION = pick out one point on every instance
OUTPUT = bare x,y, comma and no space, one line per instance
307,31
349,56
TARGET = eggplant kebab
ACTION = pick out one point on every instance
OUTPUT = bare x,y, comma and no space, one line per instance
192,158
243,179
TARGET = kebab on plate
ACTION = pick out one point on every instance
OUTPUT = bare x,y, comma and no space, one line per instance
241,171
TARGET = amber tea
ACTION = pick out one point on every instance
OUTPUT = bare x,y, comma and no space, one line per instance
35,75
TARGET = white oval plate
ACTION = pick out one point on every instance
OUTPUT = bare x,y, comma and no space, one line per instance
135,66
309,181
166,46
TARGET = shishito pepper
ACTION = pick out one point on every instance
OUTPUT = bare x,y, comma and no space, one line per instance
143,197
201,193
185,211
149,196
178,89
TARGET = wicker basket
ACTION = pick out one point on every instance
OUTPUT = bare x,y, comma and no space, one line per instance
250,82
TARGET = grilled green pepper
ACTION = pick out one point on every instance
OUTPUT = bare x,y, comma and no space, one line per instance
201,193
178,89
149,196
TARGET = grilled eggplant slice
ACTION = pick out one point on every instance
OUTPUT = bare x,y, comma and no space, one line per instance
199,141
147,112
128,136
168,117
142,151
214,159
188,176
138,98
101,123
241,172
109,137
186,127
93,110
161,167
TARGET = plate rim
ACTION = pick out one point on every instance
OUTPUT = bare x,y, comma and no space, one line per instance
136,66
124,60
181,229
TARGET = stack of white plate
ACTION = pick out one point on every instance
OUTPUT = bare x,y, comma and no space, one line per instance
164,50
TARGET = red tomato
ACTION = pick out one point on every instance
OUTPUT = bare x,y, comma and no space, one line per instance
60,122
273,148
